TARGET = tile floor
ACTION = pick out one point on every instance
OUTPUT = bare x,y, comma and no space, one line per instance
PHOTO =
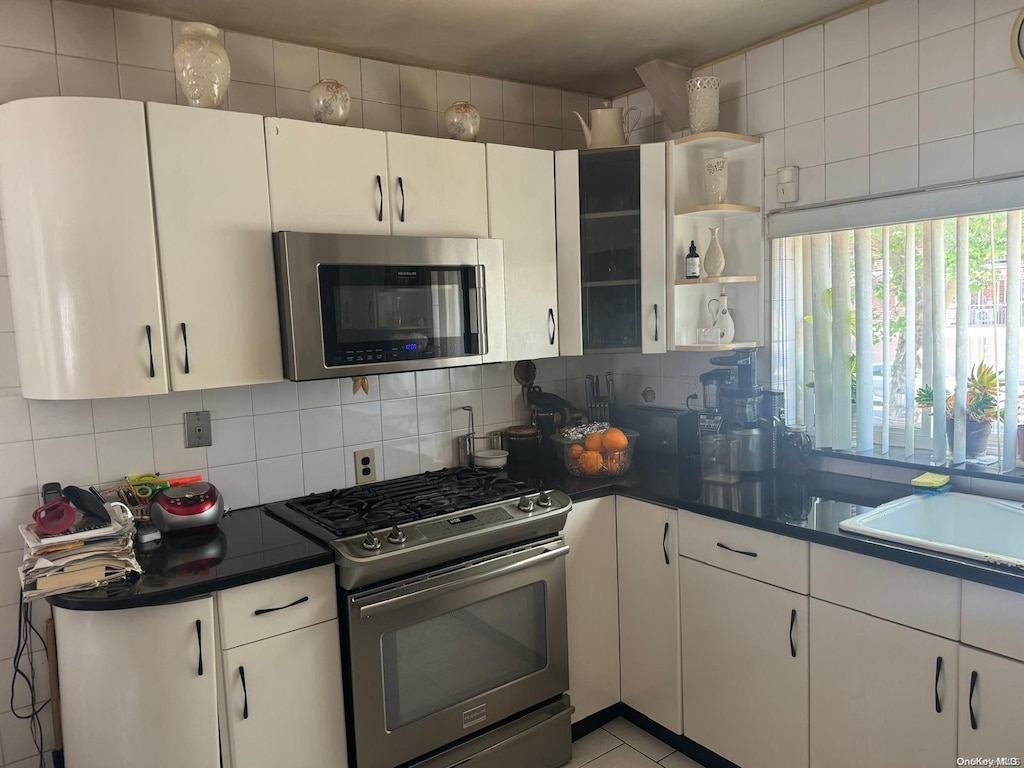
620,744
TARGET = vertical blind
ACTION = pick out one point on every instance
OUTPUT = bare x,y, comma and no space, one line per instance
874,316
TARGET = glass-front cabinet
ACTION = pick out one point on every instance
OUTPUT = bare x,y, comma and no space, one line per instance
611,249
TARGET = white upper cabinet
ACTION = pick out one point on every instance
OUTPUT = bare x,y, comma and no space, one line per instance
326,178
81,248
216,256
521,210
437,188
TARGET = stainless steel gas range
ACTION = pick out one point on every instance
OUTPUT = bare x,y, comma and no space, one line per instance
452,594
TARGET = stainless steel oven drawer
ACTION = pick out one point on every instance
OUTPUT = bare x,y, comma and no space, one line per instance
541,739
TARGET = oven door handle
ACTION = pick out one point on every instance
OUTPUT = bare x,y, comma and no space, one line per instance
389,604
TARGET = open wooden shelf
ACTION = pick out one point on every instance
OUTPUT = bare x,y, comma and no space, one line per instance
717,141
721,209
720,279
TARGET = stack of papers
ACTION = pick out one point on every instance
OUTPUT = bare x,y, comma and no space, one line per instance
78,560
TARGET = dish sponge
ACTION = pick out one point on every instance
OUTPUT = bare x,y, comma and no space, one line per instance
931,482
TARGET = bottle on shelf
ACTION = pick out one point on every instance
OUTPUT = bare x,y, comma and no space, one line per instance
692,262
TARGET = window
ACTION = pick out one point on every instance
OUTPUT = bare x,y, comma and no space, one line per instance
927,311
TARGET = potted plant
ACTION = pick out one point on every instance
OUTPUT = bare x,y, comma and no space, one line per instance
982,407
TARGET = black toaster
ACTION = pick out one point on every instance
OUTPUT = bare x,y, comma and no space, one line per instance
664,431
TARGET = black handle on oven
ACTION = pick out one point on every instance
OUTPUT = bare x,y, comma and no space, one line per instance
551,325
184,338
149,341
391,603
792,626
380,205
401,188
245,694
938,673
737,551
655,322
292,604
970,700
664,547
199,642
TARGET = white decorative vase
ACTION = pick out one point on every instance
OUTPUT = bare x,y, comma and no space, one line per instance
330,101
462,121
703,97
716,180
714,259
201,65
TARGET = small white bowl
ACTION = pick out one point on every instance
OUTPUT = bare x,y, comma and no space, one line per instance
491,458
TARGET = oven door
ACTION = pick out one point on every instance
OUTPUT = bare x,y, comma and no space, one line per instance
443,656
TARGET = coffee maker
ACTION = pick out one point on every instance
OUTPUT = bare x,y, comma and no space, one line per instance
742,404
711,419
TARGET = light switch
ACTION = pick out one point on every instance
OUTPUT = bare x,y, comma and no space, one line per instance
787,184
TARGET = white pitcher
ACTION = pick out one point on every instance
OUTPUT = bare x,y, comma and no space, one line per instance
607,127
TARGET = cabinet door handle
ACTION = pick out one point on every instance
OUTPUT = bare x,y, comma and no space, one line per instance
245,694
664,546
401,188
292,604
970,700
655,322
184,338
380,205
199,642
551,325
737,551
938,673
792,639
149,341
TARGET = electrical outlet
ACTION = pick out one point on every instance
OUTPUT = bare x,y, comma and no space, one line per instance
366,466
197,429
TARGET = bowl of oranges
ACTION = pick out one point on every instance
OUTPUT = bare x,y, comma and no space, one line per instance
596,450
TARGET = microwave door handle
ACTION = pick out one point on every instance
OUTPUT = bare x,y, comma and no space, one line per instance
401,601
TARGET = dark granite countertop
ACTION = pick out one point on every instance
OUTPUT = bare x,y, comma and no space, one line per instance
809,508
248,545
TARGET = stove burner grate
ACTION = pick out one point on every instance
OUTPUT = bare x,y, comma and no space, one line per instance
351,511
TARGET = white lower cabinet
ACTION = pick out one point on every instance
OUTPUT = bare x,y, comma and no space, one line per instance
649,651
592,606
139,682
745,667
881,693
282,700
991,703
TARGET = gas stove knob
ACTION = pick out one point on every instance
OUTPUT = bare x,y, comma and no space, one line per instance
371,542
543,500
526,504
396,536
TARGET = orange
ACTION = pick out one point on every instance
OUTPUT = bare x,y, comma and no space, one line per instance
614,440
590,461
575,450
595,442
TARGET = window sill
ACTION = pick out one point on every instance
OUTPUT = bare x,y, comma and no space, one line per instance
846,462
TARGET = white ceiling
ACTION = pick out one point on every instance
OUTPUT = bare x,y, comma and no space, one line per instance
581,45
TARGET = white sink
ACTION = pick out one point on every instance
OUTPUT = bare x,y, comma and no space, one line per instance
977,527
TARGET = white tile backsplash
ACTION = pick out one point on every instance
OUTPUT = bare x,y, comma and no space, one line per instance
942,162
279,478
998,100
732,76
380,82
846,135
803,53
252,59
398,418
118,413
60,418
848,178
293,104
321,428
143,84
894,171
497,405
805,144
36,75
361,422
19,475
432,382
846,87
234,441
891,24
275,398
295,66
418,88
517,102
142,40
469,377
394,385
434,413
846,39
343,68
991,49
319,393
324,470
85,31
436,451
893,73
547,106
67,460
947,112
893,124
401,457
169,451
15,424
128,452
984,9
451,87
765,111
228,402
938,16
27,24
253,99
83,77
999,152
237,483
764,67
947,58
419,122
277,434
170,408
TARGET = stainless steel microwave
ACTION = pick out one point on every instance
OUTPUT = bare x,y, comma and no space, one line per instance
354,305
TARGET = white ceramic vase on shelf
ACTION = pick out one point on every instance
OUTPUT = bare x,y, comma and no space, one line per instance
462,121
330,101
714,259
201,65
716,180
703,95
